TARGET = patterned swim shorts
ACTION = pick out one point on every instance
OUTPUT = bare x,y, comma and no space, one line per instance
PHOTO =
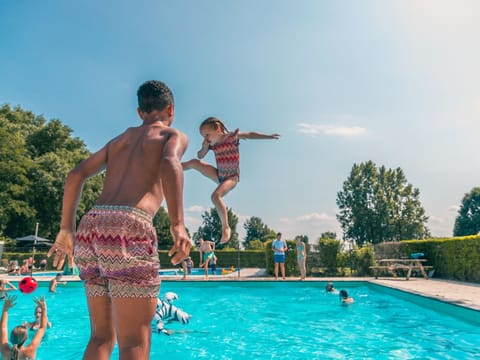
116,253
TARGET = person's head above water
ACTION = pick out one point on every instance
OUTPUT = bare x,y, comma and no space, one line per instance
329,287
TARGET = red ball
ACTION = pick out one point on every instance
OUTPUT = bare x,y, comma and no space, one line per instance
28,285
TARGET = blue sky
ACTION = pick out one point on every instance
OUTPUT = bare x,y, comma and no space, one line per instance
343,82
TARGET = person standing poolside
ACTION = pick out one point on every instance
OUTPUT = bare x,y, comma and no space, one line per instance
225,145
206,251
116,243
279,247
19,334
301,258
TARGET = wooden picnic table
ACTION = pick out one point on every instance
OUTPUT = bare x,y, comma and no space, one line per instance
393,265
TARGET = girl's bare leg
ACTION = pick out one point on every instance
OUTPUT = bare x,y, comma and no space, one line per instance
217,199
204,168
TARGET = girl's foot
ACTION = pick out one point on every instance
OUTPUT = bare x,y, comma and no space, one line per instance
225,235
188,164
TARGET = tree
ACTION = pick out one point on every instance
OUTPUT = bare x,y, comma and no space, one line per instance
256,230
255,245
212,229
468,218
161,222
379,205
328,235
36,157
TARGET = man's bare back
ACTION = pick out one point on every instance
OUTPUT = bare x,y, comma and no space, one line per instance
133,175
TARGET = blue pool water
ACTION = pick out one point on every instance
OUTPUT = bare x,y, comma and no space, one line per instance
276,320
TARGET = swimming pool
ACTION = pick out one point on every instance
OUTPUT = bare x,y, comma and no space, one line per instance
270,320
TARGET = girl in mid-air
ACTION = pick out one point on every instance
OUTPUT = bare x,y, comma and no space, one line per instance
224,144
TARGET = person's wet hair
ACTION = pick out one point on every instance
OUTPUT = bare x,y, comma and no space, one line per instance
18,336
154,95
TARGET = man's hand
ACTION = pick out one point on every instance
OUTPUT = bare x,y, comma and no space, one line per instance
181,244
63,247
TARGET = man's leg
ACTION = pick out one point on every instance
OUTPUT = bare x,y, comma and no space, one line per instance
102,331
133,319
276,271
282,267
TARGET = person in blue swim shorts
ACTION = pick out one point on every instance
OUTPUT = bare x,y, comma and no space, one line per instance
279,247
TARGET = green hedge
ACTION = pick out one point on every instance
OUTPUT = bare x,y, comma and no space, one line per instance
456,258
225,258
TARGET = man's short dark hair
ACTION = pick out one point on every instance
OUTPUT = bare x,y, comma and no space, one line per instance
154,95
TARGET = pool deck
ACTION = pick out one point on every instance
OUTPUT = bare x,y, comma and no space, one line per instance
454,292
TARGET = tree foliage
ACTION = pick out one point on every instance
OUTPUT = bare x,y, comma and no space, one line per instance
328,235
468,218
161,222
256,230
212,229
379,205
35,157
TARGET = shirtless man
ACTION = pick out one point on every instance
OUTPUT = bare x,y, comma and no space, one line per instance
207,254
116,244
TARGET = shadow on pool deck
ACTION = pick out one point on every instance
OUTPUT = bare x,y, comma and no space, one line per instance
454,292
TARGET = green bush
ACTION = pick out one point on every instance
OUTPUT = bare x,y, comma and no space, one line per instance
364,258
329,250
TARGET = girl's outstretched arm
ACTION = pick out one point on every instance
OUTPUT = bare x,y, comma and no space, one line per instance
257,136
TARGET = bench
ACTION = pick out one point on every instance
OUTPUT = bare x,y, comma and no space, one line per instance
394,265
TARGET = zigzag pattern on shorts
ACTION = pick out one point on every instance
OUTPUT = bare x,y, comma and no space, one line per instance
117,248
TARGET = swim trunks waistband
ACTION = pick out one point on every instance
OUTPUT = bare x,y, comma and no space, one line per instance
136,211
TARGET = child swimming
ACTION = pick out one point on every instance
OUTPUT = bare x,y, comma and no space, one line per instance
225,145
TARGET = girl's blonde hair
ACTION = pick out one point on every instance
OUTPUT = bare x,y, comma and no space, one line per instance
214,123
18,336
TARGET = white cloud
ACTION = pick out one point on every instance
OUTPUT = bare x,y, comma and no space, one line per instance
454,208
435,220
345,131
315,217
312,225
196,209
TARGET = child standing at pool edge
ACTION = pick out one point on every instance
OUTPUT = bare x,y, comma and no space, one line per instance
225,145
